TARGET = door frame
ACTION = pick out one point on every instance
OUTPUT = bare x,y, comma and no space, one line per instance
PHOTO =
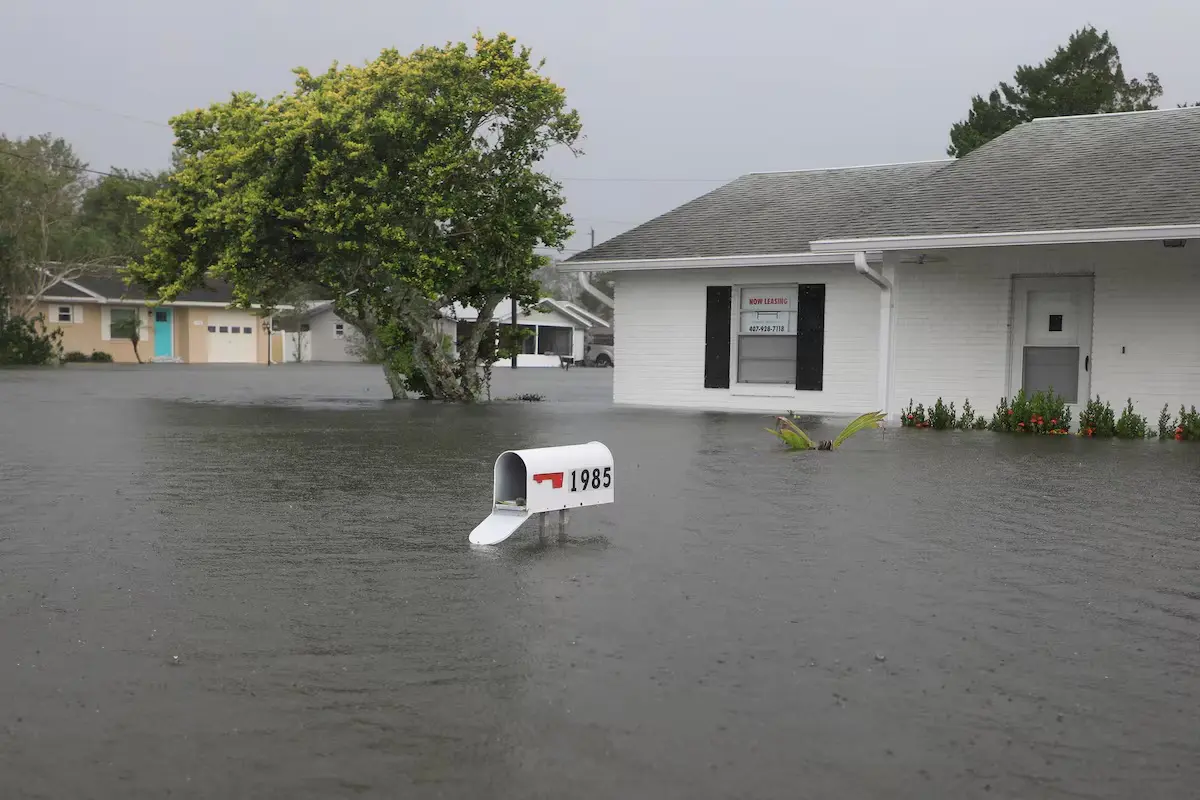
170,323
1019,320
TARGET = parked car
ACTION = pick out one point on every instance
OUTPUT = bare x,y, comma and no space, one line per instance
599,350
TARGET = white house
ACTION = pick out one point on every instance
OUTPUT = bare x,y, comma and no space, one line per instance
558,329
1058,255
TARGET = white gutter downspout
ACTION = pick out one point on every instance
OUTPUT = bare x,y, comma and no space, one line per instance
886,306
594,292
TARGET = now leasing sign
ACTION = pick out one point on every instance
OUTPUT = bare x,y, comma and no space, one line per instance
768,310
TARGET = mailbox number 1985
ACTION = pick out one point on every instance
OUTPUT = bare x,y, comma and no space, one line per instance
585,479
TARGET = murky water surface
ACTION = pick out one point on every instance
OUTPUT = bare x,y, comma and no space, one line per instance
221,582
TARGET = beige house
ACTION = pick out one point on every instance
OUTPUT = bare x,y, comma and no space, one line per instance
198,327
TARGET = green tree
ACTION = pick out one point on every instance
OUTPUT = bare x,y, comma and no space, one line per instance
398,187
44,241
1083,77
111,209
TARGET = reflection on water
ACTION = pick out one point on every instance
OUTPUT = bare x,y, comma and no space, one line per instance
233,582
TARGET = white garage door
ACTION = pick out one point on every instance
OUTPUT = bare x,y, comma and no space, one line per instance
231,338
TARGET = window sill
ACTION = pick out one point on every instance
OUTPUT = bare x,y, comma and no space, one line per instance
762,390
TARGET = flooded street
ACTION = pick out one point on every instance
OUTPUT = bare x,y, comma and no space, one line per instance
242,582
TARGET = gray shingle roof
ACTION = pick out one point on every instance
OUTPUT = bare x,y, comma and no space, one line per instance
1058,173
113,287
762,213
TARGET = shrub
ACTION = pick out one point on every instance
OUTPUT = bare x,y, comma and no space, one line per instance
1097,420
941,416
1044,412
1187,426
26,341
1131,425
914,417
100,357
1165,429
75,357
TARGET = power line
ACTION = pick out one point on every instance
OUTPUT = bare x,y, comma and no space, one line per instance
81,104
67,166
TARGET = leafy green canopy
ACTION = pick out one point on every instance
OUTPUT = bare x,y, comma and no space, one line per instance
1084,77
399,187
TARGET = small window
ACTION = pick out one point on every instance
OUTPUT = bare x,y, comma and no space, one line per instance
235,329
1056,323
339,330
64,314
245,330
224,329
160,316
304,328
212,328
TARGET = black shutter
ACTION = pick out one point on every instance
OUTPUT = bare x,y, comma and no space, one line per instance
716,337
810,337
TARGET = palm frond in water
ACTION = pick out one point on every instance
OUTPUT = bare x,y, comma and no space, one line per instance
790,434
872,419
787,431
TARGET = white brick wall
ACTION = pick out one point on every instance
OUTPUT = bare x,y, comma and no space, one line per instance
659,326
953,323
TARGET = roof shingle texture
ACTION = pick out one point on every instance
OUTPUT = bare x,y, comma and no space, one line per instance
762,213
1059,173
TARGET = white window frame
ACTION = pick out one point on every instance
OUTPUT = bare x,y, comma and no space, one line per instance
736,388
74,312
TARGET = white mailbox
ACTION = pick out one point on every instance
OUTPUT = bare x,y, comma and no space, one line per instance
529,482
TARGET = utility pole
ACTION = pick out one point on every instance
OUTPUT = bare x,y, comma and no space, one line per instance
593,237
515,330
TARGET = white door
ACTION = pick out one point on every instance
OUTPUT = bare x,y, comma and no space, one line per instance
231,338
1052,337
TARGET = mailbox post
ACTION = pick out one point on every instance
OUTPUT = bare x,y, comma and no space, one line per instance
544,479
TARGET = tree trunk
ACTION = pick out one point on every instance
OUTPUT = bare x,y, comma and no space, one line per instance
135,350
395,382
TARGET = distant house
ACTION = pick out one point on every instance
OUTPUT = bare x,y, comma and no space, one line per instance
198,327
317,334
1064,254
556,328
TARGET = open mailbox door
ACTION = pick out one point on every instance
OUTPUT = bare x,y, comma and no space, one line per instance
528,482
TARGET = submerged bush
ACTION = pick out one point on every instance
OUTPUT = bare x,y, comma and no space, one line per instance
1131,425
1097,420
914,417
27,341
941,416
1044,412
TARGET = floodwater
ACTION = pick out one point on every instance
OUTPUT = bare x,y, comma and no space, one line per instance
242,582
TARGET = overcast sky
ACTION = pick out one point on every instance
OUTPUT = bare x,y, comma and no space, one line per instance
677,94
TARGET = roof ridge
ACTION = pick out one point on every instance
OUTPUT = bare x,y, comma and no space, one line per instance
1115,114
853,167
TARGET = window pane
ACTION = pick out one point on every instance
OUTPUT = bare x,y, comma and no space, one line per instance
235,329
64,313
529,343
554,340
224,329
115,317
767,359
245,330
1054,368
